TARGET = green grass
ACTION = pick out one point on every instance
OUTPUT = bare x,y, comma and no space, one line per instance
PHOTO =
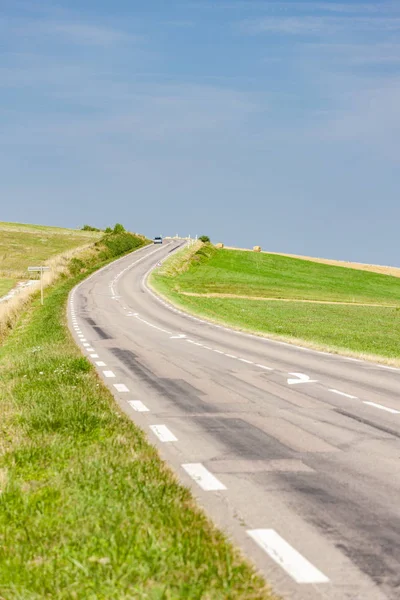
274,276
22,245
6,285
88,510
362,330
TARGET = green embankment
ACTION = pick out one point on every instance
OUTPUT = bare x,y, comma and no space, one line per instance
271,291
6,284
87,508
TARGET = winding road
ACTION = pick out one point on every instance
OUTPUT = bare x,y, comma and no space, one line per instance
294,453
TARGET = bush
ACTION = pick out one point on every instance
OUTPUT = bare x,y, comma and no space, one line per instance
108,230
118,228
116,244
205,239
89,228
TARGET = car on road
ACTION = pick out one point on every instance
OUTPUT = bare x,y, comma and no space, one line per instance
158,240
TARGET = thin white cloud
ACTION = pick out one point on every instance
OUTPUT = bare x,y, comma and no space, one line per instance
79,33
312,25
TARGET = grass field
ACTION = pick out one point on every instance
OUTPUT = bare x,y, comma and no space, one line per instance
27,245
87,508
6,284
215,277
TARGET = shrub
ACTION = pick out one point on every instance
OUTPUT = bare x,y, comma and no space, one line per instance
116,244
205,239
118,228
108,230
89,228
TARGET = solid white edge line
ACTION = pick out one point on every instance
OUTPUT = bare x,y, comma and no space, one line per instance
202,476
138,406
381,407
163,433
343,394
295,565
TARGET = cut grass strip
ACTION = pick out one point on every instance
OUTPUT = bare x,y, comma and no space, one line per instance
88,509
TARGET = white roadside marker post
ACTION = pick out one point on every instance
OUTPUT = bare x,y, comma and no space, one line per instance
40,270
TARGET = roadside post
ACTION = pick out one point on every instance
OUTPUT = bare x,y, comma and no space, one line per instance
40,270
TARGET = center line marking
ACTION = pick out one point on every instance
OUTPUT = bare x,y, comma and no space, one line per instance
264,367
121,387
108,374
163,433
381,407
230,355
203,477
298,567
249,362
343,394
138,406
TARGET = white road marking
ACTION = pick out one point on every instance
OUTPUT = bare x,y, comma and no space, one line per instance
343,394
381,407
89,349
153,326
94,356
86,344
230,355
298,567
100,363
249,362
202,476
265,367
218,351
163,433
121,387
300,378
108,374
207,348
138,406
180,336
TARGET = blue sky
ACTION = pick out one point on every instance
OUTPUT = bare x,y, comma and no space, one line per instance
253,121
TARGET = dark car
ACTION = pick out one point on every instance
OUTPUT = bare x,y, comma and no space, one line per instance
158,240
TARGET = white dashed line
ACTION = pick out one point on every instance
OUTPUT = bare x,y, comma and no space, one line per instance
163,433
249,362
343,394
108,374
218,351
121,387
381,407
94,356
231,356
90,349
265,367
298,567
86,344
153,326
202,476
138,406
100,363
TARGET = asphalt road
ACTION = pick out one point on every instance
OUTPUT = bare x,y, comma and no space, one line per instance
294,453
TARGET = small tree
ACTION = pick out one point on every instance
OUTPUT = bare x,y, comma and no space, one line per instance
108,230
118,228
204,238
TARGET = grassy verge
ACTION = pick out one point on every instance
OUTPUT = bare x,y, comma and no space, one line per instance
6,285
87,509
369,331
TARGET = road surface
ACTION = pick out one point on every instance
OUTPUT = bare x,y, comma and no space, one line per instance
294,453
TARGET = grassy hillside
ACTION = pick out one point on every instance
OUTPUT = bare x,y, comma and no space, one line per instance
325,306
27,245
87,508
